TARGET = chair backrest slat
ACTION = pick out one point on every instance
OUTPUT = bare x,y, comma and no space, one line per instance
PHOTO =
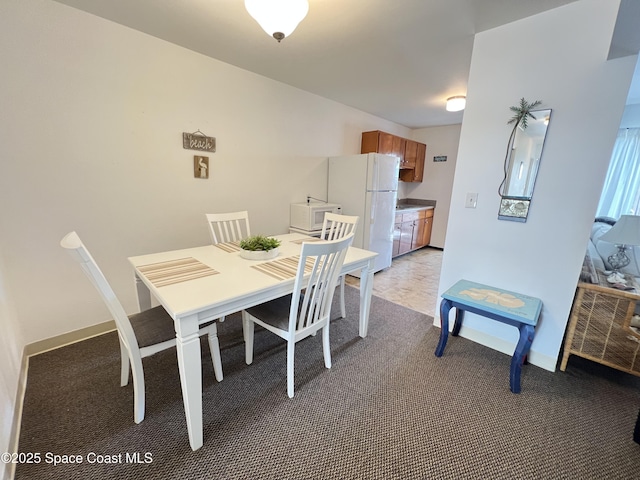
338,226
311,301
228,227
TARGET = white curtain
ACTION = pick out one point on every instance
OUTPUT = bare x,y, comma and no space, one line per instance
621,191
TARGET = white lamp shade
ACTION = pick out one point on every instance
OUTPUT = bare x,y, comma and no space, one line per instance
626,231
277,16
457,103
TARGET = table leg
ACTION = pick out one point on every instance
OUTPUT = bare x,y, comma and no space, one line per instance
189,364
522,349
445,307
144,295
366,288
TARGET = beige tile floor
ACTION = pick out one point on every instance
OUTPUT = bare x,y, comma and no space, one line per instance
411,281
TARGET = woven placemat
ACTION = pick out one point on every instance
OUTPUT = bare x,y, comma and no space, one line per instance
284,268
229,247
175,271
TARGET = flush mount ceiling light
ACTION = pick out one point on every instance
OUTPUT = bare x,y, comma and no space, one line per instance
457,103
279,18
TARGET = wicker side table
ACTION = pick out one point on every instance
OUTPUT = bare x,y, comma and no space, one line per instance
599,327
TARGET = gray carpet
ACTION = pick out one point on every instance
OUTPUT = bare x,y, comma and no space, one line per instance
387,409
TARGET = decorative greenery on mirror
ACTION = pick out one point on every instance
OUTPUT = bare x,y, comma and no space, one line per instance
522,159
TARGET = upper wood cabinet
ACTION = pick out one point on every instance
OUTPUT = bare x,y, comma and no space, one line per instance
382,142
410,152
416,173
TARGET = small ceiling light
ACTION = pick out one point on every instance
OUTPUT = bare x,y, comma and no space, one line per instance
279,18
457,103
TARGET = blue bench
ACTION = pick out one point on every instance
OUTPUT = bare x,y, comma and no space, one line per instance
511,308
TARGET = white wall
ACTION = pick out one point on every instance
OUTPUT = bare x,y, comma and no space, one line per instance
93,115
438,176
563,63
91,140
10,361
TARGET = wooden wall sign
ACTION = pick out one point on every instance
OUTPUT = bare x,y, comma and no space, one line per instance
198,141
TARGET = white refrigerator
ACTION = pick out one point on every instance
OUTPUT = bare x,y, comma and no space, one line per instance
366,185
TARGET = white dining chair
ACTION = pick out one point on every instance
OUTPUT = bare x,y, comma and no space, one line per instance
305,311
141,334
228,227
334,227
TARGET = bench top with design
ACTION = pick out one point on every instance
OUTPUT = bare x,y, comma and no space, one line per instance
504,303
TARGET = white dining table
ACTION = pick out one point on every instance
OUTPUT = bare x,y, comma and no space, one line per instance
197,285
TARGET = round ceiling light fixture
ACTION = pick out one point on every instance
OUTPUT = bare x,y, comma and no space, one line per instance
279,18
457,103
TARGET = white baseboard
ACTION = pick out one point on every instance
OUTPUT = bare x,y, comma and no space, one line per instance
68,338
35,349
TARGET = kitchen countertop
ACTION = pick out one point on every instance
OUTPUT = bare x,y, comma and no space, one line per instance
409,207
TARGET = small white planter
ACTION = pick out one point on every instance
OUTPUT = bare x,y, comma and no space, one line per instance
260,254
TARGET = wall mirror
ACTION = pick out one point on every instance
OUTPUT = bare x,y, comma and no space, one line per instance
521,166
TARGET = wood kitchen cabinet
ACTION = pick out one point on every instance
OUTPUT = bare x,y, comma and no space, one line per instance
402,235
408,229
382,142
412,230
418,232
427,226
416,173
410,152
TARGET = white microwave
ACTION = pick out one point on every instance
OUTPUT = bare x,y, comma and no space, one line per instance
310,216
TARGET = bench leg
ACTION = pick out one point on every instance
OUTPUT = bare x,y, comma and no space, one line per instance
458,323
445,307
522,349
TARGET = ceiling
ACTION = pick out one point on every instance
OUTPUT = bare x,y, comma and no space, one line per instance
398,60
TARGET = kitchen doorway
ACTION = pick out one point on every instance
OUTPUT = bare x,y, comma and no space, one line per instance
412,280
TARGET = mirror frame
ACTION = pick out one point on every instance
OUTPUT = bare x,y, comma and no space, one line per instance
516,208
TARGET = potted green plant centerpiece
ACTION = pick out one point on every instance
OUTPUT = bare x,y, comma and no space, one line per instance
259,247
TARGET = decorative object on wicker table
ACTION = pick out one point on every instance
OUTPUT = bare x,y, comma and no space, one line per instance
599,327
625,232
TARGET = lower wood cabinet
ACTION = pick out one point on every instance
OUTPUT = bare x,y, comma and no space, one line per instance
412,231
426,226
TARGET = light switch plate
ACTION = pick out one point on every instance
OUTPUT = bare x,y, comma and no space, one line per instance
471,201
